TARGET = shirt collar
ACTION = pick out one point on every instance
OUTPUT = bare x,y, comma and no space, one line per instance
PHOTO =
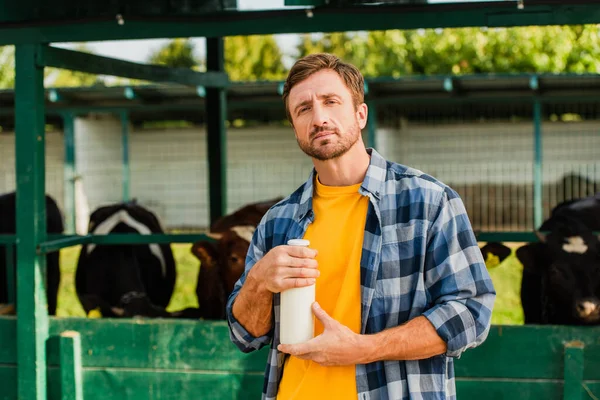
373,183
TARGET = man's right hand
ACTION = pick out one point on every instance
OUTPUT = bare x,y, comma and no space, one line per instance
285,267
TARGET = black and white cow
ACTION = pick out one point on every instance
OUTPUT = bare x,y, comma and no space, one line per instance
561,273
125,280
54,225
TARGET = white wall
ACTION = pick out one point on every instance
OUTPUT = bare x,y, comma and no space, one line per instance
168,167
54,164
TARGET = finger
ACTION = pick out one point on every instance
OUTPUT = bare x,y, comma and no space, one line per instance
301,252
291,283
299,272
300,349
300,262
322,315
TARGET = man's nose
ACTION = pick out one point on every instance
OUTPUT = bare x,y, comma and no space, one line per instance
320,116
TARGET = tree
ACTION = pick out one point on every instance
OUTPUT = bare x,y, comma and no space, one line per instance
178,53
553,49
249,58
7,67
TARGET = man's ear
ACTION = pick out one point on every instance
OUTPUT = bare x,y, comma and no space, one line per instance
362,113
532,257
494,253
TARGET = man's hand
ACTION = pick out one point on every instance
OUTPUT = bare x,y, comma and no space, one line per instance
285,267
282,268
337,345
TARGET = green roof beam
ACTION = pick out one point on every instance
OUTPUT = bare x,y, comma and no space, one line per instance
94,64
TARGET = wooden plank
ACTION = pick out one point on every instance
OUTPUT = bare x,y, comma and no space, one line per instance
591,390
32,324
489,389
8,378
94,64
162,344
70,366
325,19
573,367
538,350
126,384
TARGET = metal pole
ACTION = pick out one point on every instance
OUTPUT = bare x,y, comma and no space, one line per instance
372,124
216,114
32,323
537,165
69,171
125,142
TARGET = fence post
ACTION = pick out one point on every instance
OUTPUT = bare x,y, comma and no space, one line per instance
537,164
125,144
32,308
71,384
69,170
573,370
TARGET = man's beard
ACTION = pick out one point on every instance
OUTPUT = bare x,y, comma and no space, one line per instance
323,150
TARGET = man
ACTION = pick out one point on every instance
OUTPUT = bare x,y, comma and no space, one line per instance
401,286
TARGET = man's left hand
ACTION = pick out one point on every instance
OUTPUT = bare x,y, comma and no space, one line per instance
337,345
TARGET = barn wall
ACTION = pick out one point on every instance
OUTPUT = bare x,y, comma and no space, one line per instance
54,164
489,164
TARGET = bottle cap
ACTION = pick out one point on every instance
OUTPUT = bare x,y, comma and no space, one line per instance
298,242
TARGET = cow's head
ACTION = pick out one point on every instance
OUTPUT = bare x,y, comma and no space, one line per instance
494,253
567,262
222,262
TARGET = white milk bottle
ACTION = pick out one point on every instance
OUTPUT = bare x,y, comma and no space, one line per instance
296,316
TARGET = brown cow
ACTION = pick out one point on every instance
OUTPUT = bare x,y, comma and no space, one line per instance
222,261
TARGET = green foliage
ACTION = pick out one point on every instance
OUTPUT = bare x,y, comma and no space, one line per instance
251,58
178,53
7,67
552,49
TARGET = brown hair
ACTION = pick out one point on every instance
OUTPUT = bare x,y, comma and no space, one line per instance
308,65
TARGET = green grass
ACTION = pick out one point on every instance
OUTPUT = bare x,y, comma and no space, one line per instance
506,278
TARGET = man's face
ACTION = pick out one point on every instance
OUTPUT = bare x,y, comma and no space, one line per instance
325,121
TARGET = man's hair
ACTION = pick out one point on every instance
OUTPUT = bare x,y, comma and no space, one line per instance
308,65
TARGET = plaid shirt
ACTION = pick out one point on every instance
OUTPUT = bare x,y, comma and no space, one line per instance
420,257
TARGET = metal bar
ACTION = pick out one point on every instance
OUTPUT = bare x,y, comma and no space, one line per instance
69,171
125,144
71,381
573,371
32,324
8,239
94,64
323,19
58,242
10,273
216,112
372,124
537,165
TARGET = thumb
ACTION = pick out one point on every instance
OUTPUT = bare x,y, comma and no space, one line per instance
321,315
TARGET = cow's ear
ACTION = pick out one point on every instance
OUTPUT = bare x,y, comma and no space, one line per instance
206,252
494,253
532,256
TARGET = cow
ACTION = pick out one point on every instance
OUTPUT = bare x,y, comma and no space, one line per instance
561,272
222,259
125,280
54,225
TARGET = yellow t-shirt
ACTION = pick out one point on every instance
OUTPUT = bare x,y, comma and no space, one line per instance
337,235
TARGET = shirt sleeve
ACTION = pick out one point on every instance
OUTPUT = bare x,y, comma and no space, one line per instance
457,282
245,341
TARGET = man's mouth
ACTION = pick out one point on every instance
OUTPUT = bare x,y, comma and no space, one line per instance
323,134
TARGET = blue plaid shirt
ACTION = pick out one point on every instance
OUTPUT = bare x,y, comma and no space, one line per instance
420,257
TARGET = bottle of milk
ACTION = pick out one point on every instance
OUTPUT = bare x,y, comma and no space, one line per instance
296,316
